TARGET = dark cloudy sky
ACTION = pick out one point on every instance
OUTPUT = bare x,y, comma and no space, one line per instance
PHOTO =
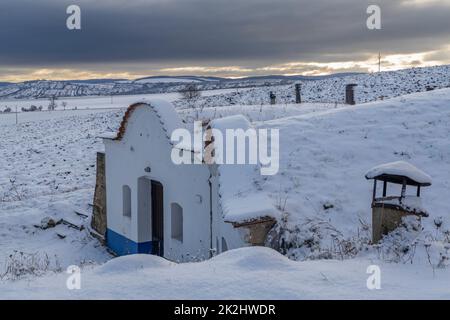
235,38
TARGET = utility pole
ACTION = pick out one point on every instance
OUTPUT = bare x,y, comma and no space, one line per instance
17,116
379,62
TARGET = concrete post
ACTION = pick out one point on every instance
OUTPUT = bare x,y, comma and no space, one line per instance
350,94
298,96
273,98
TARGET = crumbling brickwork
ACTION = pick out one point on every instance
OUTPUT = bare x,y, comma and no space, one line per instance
98,222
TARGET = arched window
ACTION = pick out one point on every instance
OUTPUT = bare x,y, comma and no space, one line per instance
224,245
126,199
177,222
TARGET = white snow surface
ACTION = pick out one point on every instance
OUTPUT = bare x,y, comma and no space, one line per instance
81,105
400,168
240,199
370,87
48,170
248,273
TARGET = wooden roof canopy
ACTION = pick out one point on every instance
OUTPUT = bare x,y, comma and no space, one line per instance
398,179
400,172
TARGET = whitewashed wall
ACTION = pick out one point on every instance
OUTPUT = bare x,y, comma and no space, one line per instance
145,145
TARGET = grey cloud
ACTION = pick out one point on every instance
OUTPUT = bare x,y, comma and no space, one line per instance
252,32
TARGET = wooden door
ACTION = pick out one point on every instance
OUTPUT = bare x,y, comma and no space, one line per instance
158,218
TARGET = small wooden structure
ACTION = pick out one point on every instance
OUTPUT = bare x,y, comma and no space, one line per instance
388,211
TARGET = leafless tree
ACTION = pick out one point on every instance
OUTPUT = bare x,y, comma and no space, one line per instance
52,105
191,93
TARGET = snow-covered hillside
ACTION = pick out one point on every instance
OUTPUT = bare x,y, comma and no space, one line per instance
59,89
49,171
325,151
324,158
371,87
329,89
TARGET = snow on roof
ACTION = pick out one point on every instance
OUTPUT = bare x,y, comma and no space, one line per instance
231,122
108,135
164,110
239,199
400,169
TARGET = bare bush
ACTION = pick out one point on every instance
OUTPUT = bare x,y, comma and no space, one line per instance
20,264
410,242
14,193
317,239
191,93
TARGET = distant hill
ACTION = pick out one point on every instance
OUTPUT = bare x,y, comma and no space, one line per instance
176,79
96,81
331,89
164,84
299,77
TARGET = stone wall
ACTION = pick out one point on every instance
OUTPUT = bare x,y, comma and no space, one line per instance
385,220
98,222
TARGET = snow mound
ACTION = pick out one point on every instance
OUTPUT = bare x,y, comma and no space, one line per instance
400,168
232,122
253,259
133,263
247,208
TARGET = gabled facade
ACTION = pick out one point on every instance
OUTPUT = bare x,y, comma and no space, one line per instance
157,207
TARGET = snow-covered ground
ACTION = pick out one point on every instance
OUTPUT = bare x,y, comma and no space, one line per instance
48,170
370,87
82,105
324,157
24,117
249,273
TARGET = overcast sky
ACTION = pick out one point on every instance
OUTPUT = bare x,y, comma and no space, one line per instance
234,38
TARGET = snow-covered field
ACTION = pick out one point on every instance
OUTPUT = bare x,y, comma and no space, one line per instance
82,105
48,170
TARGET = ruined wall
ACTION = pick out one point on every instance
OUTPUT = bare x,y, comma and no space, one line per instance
385,220
258,232
98,222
